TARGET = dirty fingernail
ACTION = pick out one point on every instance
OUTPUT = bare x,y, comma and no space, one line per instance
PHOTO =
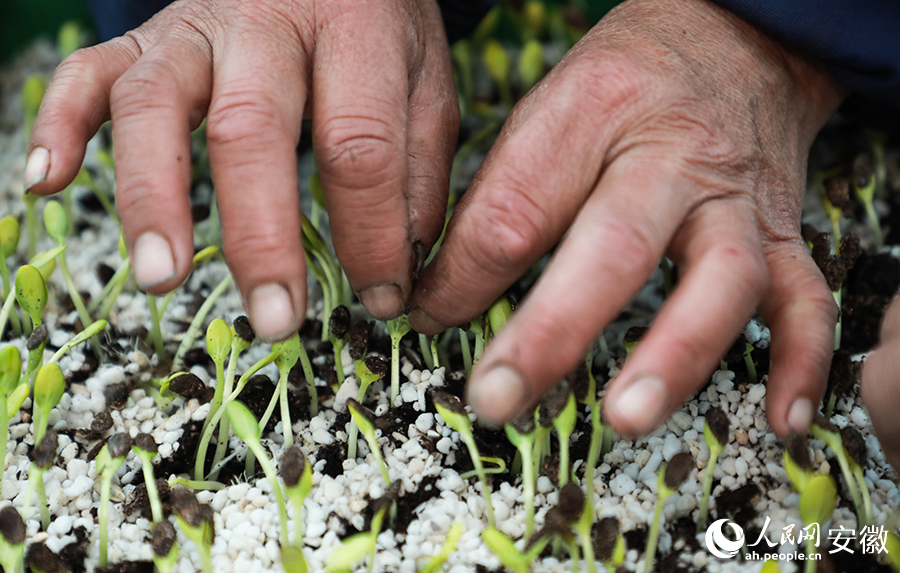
272,312
498,395
37,167
153,261
642,405
800,415
383,301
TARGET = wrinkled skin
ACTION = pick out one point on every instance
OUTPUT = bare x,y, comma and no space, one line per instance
881,385
672,128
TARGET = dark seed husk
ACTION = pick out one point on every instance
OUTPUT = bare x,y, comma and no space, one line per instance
44,454
37,337
163,538
554,403
40,558
635,334
524,423
604,535
389,497
825,424
116,395
378,365
862,169
580,382
101,422
293,463
359,339
119,445
187,385
146,442
719,424
796,446
448,401
339,323
243,329
360,409
186,506
571,502
12,528
855,445
677,470
837,189
844,373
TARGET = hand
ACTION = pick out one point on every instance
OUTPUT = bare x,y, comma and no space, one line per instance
374,76
672,128
881,386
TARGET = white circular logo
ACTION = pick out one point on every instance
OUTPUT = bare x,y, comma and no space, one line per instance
721,546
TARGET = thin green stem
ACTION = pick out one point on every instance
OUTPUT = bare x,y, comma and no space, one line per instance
587,546
119,276
195,328
4,435
593,455
155,329
395,368
707,490
269,470
250,463
435,355
152,492
7,310
425,349
310,383
874,223
811,550
653,539
103,517
115,292
7,289
338,360
298,521
866,509
466,351
286,427
31,224
563,460
479,469
42,503
528,487
225,423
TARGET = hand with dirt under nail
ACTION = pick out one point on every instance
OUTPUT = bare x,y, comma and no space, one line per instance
374,77
673,128
880,385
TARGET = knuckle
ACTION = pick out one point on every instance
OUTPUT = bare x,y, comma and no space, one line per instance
608,83
637,248
748,265
138,197
255,245
513,230
241,116
357,149
145,87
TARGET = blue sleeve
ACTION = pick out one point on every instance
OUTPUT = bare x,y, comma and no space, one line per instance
859,40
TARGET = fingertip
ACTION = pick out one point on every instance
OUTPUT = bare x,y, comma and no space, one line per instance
37,167
384,302
638,408
800,416
272,312
423,323
153,262
498,395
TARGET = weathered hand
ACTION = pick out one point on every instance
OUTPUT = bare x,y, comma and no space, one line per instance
672,128
881,386
374,76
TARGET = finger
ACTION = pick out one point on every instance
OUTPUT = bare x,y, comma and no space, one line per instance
253,129
74,107
613,247
433,126
880,387
360,118
524,197
800,312
724,276
154,106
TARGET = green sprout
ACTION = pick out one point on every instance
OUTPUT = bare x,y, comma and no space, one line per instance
891,546
608,543
521,434
836,201
835,267
92,330
585,389
770,566
12,539
49,387
297,475
9,242
35,345
559,406
339,325
436,563
476,327
111,457
828,433
559,520
247,429
41,460
632,338
497,63
218,345
365,420
10,370
864,183
326,270
670,479
855,448
163,543
454,415
397,329
504,548
716,433
356,547
368,371
531,64
193,331
104,303
817,503
196,521
144,446
797,461
31,293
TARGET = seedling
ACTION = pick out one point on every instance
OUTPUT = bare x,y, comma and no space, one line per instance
9,242
10,370
559,406
716,433
842,377
365,420
454,415
368,371
476,327
289,353
397,329
828,433
560,519
531,64
864,183
497,63
196,521
104,303
817,503
632,338
836,201
145,448
92,330
339,323
670,479
797,461
498,314
12,539
35,345
608,543
218,345
356,547
48,389
504,548
194,329
521,434
31,293
436,563
835,267
891,546
585,389
111,457
41,460
325,269
855,448
573,501
297,475
246,428
164,546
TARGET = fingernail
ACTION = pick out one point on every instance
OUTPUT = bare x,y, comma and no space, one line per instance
152,260
420,254
800,415
383,301
497,396
37,167
272,312
422,322
642,405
